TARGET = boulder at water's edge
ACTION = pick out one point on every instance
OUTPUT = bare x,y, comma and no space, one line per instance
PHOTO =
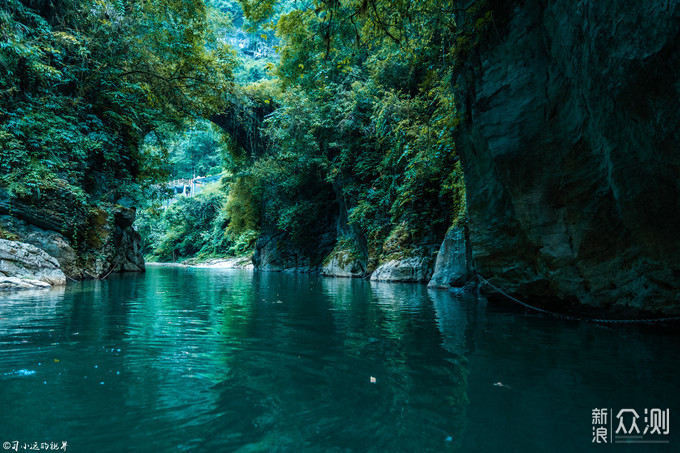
24,266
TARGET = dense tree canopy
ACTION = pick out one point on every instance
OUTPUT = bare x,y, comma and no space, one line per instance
82,82
332,109
364,118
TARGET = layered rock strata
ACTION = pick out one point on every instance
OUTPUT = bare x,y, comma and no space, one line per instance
24,266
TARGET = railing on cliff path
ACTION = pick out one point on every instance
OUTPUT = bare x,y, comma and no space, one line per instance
191,187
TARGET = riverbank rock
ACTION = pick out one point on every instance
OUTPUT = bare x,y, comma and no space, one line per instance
106,242
569,142
452,266
55,244
344,263
414,269
24,266
119,245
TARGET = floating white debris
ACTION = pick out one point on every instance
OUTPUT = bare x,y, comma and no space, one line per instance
373,380
19,373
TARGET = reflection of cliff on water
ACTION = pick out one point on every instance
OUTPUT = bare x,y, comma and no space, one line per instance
228,360
459,318
21,310
534,380
303,376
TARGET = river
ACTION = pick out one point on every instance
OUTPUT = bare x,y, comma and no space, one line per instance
215,360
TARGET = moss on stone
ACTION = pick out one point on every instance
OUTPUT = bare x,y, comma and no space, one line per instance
399,245
4,234
345,251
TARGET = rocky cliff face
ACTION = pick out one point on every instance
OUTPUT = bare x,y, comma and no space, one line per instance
24,266
570,143
276,252
414,270
343,263
453,265
103,242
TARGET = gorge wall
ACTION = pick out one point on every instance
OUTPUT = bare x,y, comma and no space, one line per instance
89,245
570,144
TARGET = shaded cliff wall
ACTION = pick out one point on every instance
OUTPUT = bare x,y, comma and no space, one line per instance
570,143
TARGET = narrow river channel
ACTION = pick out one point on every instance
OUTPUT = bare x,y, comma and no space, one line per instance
213,360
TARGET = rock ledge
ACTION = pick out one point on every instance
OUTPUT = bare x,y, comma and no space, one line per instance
24,266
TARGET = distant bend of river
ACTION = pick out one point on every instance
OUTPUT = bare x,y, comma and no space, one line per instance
217,360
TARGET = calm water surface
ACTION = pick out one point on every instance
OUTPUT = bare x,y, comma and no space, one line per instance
210,360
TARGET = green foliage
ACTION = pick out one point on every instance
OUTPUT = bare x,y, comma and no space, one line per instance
82,83
216,222
258,10
251,35
188,227
366,113
198,148
355,112
4,234
243,205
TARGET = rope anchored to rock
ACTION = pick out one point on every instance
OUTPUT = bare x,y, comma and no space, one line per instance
571,317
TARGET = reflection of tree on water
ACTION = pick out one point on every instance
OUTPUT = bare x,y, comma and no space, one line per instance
303,377
239,361
266,361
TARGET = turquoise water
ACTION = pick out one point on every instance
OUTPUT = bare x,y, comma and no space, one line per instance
210,360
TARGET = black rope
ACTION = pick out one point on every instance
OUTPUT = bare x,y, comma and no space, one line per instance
575,318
